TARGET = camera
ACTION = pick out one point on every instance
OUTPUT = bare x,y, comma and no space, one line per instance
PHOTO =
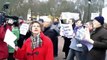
4,17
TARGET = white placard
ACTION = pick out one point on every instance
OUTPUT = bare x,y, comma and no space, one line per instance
45,18
104,14
86,39
66,30
10,38
69,15
93,15
24,28
83,34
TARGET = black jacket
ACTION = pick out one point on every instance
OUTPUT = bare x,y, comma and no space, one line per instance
100,44
53,35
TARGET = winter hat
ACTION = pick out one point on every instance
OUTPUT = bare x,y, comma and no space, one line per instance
100,19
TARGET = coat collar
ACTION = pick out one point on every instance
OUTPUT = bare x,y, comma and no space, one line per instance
42,35
97,29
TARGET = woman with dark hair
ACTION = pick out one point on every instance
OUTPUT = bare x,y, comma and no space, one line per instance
67,41
37,46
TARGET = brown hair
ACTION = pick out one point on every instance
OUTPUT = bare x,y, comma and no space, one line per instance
41,26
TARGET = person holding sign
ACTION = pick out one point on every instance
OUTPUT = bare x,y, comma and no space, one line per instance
76,47
36,47
66,39
16,32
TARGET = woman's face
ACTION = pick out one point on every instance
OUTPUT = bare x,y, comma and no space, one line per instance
78,23
36,29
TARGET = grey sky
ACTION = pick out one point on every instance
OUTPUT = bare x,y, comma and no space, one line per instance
105,2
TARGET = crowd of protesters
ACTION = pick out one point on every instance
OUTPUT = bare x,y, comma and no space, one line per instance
41,40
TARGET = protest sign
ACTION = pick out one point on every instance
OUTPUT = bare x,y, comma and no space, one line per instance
24,28
83,35
104,14
45,18
69,15
66,30
87,38
10,38
93,15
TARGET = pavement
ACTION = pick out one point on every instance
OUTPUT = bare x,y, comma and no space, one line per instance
60,47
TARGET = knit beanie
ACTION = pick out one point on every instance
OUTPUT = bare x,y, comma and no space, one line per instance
100,19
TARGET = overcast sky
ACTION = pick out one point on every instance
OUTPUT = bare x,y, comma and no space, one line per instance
105,1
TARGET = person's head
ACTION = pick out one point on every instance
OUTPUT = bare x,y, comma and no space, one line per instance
89,25
10,21
56,20
20,20
41,20
16,24
98,22
78,23
29,19
71,21
47,23
35,27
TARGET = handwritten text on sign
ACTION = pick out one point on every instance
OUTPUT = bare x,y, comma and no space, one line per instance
24,28
66,30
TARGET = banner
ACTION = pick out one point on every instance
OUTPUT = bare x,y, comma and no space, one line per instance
10,38
93,15
24,28
66,30
104,14
69,15
45,18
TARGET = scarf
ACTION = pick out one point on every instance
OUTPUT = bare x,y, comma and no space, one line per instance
36,41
